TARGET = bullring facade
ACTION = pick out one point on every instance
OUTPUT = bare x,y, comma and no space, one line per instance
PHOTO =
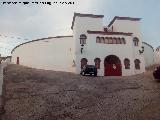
116,49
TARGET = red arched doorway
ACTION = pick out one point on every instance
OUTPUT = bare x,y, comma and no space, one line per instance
112,66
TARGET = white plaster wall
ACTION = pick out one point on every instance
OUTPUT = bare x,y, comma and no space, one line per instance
50,54
103,50
93,49
100,50
157,56
81,25
148,55
129,26
137,55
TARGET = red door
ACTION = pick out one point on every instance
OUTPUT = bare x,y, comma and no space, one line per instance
113,70
112,66
17,60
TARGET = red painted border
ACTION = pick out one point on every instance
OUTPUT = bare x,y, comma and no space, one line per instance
85,15
108,33
123,18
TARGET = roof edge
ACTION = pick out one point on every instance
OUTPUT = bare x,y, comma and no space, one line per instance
84,15
123,18
108,33
38,40
148,45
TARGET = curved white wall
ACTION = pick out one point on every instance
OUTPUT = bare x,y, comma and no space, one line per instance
148,54
50,54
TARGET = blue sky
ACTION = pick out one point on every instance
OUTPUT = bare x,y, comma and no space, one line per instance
38,21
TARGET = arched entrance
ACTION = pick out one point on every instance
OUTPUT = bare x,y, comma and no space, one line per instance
112,66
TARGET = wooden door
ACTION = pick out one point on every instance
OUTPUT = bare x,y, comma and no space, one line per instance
112,66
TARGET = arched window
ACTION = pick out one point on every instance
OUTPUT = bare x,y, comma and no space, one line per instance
135,41
110,40
157,49
118,41
98,39
106,40
114,40
102,40
127,63
83,38
97,62
137,64
83,62
123,41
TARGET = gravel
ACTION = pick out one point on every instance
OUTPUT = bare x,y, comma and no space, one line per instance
32,94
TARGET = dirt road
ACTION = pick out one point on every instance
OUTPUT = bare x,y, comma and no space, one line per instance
32,94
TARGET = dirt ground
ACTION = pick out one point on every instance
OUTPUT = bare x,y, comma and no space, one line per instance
32,94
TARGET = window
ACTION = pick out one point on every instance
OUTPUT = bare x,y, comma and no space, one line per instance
157,49
83,62
135,41
98,39
137,64
102,40
110,40
114,40
97,62
127,63
123,41
118,41
83,38
106,40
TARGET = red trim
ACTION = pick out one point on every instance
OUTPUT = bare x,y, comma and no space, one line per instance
123,18
38,40
85,15
148,45
108,33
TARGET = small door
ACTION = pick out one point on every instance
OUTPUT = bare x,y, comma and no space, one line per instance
17,60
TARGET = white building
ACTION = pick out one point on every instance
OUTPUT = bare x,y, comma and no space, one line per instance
157,55
116,49
148,54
